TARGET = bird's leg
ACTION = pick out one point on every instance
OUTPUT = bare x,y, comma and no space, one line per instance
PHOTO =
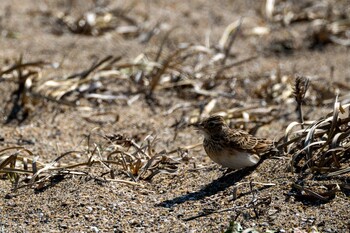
226,171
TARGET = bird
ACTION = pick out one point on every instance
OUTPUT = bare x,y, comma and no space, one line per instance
231,148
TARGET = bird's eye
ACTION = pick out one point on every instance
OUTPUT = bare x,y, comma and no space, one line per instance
211,124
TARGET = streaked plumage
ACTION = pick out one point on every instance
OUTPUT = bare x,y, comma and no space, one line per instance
231,148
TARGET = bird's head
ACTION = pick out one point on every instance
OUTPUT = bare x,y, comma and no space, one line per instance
212,125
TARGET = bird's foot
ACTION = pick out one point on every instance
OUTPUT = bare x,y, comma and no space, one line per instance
226,171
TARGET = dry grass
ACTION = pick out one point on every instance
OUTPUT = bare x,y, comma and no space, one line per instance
201,76
319,148
115,154
328,23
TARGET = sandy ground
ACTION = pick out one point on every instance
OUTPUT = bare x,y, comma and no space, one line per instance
198,198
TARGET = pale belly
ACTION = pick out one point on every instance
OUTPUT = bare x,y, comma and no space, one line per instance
235,159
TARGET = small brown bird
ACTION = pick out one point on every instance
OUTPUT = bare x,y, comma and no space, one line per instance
232,148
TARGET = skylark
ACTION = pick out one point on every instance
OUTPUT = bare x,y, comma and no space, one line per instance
231,148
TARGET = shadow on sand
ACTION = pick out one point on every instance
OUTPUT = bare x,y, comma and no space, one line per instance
214,187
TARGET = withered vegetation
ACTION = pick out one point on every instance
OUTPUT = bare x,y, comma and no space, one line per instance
320,149
204,78
117,156
191,71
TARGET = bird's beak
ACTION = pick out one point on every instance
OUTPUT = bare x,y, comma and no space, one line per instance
197,125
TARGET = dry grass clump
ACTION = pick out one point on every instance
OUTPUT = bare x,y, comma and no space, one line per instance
114,155
72,87
191,71
34,88
320,149
102,19
278,88
324,23
23,74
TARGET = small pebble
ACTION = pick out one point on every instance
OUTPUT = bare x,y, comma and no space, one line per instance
95,229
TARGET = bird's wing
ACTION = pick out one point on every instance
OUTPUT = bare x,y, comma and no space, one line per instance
264,145
242,140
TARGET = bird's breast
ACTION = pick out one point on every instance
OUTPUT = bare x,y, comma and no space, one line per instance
229,157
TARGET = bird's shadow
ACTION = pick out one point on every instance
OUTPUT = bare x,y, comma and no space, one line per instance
212,188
